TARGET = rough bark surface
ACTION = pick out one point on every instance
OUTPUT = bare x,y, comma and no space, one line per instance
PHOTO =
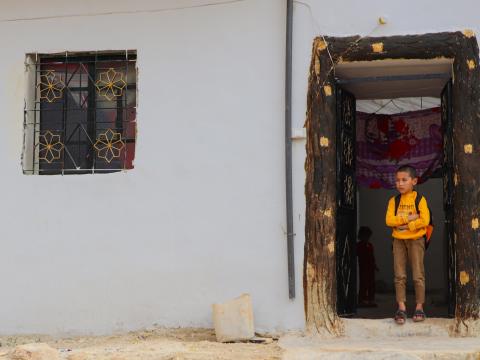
319,263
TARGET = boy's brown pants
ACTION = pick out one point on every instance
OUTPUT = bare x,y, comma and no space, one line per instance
409,251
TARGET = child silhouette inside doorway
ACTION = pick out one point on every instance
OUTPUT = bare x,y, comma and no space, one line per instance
367,268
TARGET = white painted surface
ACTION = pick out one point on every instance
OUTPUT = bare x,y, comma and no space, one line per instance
201,219
387,89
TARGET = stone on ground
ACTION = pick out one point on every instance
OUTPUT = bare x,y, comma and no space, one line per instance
233,320
36,351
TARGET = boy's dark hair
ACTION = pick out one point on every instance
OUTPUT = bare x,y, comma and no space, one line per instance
364,232
408,169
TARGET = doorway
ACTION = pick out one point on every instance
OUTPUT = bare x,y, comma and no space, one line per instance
330,264
391,133
383,143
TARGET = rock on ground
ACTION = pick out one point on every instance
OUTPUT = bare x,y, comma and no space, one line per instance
36,351
233,320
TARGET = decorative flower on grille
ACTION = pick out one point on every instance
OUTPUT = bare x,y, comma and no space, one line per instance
348,186
51,86
348,112
109,145
50,147
348,151
111,84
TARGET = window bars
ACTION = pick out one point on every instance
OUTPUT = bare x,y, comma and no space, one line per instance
80,113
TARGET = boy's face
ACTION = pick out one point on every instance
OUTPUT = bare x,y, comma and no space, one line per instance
404,182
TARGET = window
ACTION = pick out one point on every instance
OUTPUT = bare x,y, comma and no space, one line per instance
80,113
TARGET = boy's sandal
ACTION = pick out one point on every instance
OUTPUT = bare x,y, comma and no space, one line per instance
419,315
400,317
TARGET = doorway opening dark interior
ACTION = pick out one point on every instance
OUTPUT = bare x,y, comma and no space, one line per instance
358,206
331,217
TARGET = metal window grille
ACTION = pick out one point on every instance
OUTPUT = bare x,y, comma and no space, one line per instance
80,113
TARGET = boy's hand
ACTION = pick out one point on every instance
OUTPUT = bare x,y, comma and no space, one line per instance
413,217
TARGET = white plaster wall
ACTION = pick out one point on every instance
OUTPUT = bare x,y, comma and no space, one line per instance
199,220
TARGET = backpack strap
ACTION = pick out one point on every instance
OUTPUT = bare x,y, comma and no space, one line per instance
397,203
417,202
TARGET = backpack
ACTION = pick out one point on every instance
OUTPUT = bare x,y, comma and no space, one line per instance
429,229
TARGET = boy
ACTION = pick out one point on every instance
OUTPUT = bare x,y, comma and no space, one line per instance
367,267
409,229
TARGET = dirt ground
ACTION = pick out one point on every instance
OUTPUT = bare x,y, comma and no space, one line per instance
365,339
157,344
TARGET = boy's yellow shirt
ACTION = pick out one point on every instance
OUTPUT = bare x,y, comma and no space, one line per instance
416,228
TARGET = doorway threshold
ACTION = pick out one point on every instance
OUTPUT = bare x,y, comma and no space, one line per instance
382,339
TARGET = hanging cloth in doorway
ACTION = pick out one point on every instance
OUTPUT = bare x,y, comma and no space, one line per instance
385,142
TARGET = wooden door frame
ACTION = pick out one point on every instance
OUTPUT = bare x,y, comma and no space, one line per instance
319,275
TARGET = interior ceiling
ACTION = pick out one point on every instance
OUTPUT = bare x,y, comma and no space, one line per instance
391,89
399,105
